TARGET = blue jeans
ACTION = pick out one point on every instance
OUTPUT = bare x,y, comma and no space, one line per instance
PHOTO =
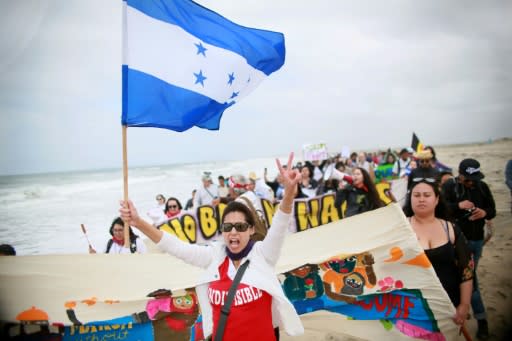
476,246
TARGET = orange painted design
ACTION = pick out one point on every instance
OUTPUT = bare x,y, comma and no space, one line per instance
70,304
111,301
90,301
419,260
396,253
32,314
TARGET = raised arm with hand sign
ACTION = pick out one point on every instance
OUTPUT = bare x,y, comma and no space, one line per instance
290,180
237,247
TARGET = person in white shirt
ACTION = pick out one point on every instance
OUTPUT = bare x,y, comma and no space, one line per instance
401,165
206,193
115,245
223,189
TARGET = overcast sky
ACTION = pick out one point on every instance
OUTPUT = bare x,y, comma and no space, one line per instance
361,74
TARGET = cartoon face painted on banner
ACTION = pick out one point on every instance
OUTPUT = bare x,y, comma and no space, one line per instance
303,283
344,278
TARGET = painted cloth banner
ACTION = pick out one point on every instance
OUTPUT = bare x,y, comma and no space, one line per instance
184,64
366,273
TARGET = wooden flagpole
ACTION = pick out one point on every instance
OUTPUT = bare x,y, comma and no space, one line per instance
125,187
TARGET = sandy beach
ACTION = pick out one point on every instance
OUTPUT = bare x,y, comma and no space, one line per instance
494,272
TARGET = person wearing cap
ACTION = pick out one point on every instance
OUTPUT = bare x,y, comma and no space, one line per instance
400,166
207,193
260,188
471,203
424,159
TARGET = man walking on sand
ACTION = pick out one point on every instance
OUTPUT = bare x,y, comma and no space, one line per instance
471,203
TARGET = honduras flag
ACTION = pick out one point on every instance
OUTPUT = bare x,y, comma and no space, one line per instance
184,64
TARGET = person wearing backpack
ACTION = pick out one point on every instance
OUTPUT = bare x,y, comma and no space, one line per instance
115,245
471,203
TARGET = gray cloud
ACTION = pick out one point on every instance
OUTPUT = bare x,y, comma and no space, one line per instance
362,74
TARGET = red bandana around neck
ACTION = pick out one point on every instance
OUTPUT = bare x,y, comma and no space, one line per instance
118,241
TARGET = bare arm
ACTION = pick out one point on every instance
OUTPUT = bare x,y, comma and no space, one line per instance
197,255
462,310
130,215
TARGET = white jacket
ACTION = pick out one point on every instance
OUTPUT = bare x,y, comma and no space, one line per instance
260,273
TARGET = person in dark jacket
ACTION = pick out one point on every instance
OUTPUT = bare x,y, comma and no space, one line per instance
360,194
471,203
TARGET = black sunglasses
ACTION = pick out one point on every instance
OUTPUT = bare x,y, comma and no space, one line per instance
172,206
429,180
240,227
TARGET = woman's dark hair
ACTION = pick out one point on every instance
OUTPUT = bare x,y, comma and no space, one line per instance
373,194
7,250
340,164
310,168
167,204
119,221
251,217
441,210
236,206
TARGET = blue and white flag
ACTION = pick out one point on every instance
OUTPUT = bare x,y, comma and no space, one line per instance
184,64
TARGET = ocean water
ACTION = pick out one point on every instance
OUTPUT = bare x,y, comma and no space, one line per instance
42,213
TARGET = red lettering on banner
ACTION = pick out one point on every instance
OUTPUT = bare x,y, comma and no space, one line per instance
380,302
407,304
402,304
394,302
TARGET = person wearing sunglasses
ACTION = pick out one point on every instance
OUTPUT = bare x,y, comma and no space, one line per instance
172,207
444,244
471,202
425,167
160,200
115,245
260,303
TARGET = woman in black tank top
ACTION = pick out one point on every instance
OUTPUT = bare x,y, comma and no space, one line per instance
443,243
